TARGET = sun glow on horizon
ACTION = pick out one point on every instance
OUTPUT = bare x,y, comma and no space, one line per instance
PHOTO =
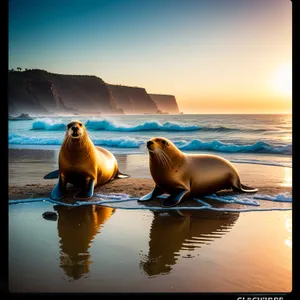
214,56
282,80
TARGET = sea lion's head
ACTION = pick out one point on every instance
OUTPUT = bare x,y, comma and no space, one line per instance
75,129
162,150
158,143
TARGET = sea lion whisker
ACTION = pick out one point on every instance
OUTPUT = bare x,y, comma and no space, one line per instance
161,158
166,157
144,148
92,137
68,141
157,157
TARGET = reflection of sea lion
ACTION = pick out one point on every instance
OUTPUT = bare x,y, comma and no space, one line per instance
169,234
77,227
82,163
182,175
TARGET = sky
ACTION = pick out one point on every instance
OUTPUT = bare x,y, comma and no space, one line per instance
214,56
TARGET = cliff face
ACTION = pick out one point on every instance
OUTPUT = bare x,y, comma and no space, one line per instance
121,99
165,103
23,94
132,100
37,91
41,92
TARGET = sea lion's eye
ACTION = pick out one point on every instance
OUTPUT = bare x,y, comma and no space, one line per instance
165,142
80,124
69,125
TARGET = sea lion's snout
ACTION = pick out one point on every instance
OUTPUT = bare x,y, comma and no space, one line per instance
75,131
149,143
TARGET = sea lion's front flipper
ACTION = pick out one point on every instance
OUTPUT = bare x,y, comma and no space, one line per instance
154,193
174,198
59,189
87,191
52,175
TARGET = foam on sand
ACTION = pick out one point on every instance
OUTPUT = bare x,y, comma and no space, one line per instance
125,201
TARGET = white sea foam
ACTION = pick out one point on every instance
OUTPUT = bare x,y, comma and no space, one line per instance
184,145
48,124
125,201
124,142
151,125
258,147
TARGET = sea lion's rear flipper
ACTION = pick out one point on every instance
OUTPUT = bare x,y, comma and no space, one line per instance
175,198
245,189
154,193
87,191
52,175
121,175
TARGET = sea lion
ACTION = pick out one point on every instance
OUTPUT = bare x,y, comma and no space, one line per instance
82,164
183,175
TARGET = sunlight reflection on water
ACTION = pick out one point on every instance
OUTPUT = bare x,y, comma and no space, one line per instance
287,177
288,227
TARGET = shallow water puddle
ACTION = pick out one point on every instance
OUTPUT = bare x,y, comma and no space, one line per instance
94,249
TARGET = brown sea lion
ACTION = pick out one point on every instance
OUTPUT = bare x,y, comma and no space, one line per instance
82,164
183,175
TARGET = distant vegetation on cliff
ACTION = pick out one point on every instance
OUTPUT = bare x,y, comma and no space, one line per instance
40,92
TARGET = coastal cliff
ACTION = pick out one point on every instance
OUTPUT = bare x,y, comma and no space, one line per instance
132,100
40,92
165,103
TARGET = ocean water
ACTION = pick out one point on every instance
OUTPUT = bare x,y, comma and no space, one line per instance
256,139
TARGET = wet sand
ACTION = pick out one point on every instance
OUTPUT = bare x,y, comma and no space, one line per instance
28,167
94,248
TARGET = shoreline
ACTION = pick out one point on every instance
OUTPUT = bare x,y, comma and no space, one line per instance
138,187
27,168
158,248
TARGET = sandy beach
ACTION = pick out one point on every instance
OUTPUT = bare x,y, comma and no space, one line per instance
237,250
28,167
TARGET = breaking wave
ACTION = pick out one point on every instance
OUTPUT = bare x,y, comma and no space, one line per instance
130,142
258,147
109,125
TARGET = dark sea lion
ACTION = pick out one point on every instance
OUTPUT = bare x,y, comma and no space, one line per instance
183,175
82,164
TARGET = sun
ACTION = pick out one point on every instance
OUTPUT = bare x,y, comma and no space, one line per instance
282,80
